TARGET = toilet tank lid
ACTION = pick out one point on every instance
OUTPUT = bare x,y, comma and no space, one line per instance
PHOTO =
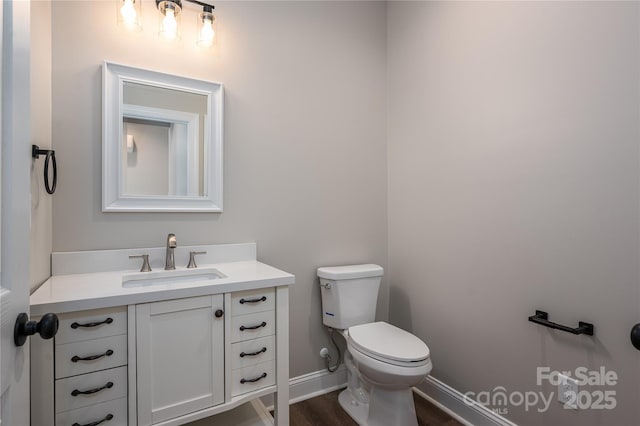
350,272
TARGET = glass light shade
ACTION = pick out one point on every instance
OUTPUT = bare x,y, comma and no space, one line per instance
170,19
206,26
129,14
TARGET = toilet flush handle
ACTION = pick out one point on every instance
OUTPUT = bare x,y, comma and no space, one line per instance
326,285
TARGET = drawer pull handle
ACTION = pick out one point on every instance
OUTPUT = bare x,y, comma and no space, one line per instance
96,423
253,327
243,381
243,354
76,392
76,358
262,299
92,324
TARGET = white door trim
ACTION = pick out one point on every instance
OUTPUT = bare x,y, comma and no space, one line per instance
15,201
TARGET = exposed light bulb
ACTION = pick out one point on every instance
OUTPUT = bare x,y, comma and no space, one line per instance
128,13
206,32
169,24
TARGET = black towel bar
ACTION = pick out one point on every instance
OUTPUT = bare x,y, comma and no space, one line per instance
542,318
50,154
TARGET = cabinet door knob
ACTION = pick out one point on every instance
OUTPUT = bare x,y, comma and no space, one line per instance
219,313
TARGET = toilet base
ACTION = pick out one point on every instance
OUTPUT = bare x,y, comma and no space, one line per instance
386,407
357,410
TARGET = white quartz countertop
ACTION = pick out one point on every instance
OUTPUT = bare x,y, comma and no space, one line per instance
82,291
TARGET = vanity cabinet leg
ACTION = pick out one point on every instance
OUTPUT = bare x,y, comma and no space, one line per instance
42,381
132,371
281,402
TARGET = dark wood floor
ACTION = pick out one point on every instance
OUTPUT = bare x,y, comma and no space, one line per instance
324,410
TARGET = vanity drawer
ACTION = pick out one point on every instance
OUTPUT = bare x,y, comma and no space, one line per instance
251,301
252,378
251,352
113,412
110,352
252,326
78,326
103,386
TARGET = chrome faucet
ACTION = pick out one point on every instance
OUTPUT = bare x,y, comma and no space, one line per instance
170,262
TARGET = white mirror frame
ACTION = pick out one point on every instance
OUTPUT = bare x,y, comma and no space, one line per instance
113,110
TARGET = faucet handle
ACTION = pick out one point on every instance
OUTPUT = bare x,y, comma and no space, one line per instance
192,258
145,262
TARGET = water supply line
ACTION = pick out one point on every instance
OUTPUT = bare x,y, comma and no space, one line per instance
327,357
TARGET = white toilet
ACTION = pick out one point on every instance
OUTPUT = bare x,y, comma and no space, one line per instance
384,362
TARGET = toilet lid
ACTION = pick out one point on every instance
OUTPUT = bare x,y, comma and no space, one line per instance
386,341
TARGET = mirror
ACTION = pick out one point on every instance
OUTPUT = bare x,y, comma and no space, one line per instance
162,142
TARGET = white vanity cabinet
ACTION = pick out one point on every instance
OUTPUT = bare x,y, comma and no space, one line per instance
252,342
90,369
196,357
164,352
180,357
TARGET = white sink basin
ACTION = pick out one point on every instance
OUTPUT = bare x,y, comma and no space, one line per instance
177,276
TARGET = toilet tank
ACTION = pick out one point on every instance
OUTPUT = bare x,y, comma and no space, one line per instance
349,294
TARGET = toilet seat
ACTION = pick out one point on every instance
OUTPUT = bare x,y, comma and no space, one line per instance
390,344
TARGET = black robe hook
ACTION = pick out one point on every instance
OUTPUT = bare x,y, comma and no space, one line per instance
36,152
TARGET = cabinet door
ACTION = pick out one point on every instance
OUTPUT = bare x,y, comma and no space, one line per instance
180,357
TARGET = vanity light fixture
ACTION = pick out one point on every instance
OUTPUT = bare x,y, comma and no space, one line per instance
169,28
169,12
129,14
206,27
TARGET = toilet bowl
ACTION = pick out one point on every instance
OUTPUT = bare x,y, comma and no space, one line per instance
383,362
390,361
388,356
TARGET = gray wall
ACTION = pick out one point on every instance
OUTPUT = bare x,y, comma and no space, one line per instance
512,169
146,169
513,186
41,202
305,138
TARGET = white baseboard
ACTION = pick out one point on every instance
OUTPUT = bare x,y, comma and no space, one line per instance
457,406
439,394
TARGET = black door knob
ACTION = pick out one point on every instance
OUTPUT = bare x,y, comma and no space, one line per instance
219,313
47,327
635,336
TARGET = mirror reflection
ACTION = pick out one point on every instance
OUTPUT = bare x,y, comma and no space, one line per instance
163,141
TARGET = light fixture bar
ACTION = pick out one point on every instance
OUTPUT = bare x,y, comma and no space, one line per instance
170,16
202,4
